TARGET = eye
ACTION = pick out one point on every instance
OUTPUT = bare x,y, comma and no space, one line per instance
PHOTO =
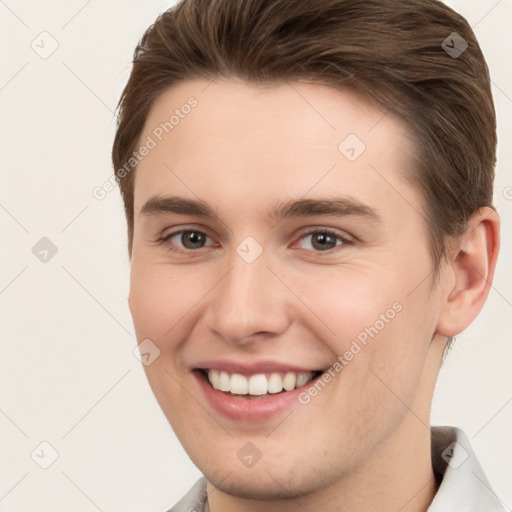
187,239
321,240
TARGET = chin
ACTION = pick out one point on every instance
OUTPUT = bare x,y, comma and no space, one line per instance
259,486
266,481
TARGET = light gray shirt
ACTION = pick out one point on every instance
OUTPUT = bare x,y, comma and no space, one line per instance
463,488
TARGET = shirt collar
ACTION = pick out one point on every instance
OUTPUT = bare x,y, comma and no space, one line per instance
464,486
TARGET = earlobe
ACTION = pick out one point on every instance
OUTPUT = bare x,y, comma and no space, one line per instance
471,272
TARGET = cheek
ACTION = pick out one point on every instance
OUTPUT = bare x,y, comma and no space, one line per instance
159,298
161,305
350,303
373,323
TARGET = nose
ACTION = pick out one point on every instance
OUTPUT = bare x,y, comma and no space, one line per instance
250,303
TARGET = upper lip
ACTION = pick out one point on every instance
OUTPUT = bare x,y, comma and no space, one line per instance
253,368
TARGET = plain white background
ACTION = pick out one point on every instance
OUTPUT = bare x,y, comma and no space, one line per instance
68,376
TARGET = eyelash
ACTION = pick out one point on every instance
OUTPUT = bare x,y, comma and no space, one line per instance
326,231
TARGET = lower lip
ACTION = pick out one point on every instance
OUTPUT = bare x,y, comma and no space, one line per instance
249,409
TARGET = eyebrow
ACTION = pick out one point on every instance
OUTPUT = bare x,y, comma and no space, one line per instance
337,206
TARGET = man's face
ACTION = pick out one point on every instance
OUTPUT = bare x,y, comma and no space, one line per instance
259,287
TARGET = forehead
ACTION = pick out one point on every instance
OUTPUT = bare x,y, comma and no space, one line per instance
227,138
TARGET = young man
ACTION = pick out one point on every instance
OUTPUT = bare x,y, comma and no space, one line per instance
308,190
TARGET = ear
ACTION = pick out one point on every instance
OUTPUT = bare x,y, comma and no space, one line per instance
471,268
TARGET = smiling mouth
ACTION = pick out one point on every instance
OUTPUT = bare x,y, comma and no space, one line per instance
257,385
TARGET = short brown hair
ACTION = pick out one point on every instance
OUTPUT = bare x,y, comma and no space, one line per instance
396,51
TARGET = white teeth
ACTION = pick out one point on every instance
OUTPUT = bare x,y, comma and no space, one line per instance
275,383
224,382
239,384
258,384
289,381
213,376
